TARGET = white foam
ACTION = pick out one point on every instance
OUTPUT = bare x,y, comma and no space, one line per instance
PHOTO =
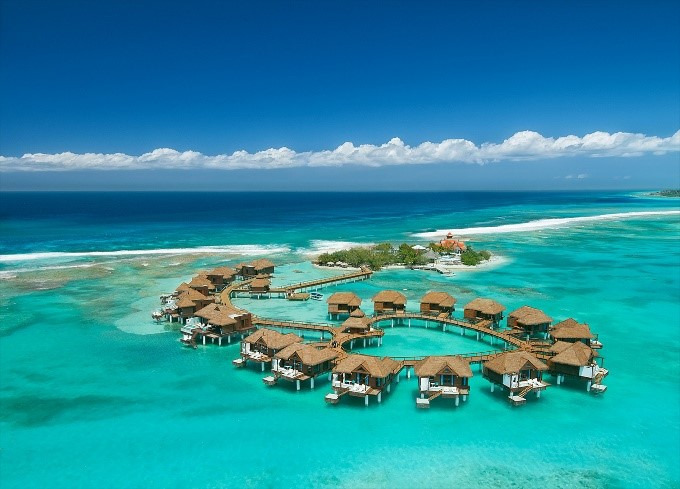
543,224
233,249
319,246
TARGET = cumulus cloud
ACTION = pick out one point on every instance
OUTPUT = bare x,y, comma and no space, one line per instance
521,146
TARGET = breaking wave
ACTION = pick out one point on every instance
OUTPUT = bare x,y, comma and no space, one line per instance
234,249
544,224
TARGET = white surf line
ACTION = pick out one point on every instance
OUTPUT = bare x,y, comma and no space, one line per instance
544,224
236,249
319,246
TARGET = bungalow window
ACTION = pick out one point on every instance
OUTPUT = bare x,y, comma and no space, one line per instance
447,379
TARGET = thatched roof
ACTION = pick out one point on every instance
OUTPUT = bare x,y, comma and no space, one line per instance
219,314
374,366
182,287
485,306
184,301
571,329
272,339
513,361
530,316
443,365
189,297
442,298
574,354
356,322
261,263
307,354
357,313
392,296
201,281
260,283
222,272
349,298
208,311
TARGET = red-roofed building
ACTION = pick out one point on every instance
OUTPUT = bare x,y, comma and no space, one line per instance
453,245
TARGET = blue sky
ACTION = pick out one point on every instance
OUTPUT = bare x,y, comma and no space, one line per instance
215,78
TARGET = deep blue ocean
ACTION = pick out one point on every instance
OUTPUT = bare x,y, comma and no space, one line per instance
94,394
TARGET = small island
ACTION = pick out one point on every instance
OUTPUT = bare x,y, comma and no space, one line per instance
439,256
666,193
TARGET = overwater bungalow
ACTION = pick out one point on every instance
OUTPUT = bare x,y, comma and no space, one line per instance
529,321
579,361
518,371
445,376
263,344
221,276
363,376
389,302
190,301
484,309
181,288
299,362
572,331
342,304
257,267
201,284
260,285
218,321
439,304
357,322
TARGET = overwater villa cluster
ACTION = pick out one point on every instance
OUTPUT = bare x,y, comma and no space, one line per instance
528,345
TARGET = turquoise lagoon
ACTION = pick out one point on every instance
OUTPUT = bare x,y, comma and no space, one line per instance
94,394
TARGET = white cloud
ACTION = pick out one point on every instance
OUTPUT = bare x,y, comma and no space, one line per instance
524,145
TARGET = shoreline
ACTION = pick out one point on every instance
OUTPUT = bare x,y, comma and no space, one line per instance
493,262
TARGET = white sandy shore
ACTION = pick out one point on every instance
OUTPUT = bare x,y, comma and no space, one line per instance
494,262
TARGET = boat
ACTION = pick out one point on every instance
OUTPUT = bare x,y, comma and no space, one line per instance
317,296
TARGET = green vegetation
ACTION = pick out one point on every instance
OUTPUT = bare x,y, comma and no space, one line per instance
471,257
383,254
375,257
666,193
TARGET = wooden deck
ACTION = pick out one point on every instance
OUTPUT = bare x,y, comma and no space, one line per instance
483,327
287,290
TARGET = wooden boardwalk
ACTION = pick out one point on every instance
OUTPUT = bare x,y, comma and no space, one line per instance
338,338
482,326
354,276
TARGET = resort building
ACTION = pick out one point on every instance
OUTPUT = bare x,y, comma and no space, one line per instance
217,321
439,304
190,301
342,303
201,284
445,376
529,321
221,276
183,287
579,361
484,309
572,331
260,285
389,302
299,362
518,371
452,245
263,344
363,376
357,322
257,267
